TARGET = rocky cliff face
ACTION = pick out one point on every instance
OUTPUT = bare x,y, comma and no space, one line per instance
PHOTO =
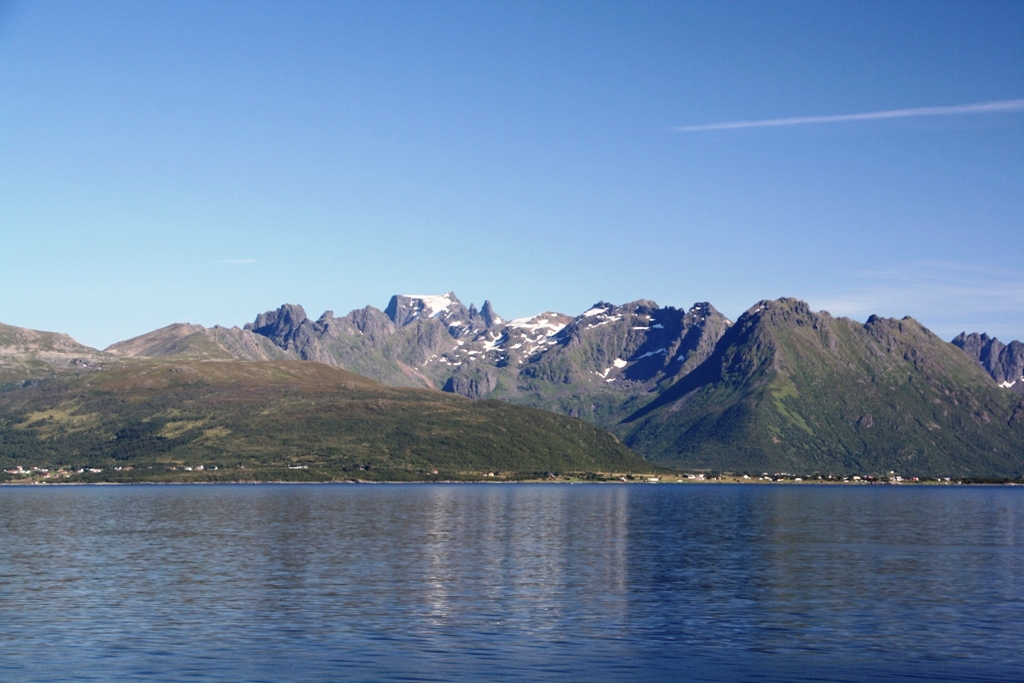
288,327
1003,362
459,321
588,365
594,365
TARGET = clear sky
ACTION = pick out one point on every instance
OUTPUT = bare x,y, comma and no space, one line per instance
205,161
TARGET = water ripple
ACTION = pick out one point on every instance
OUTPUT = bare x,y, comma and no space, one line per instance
511,583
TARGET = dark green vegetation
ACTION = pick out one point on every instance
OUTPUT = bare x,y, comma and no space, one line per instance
146,417
791,390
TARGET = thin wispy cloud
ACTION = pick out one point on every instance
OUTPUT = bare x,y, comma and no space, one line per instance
947,297
236,261
978,108
953,287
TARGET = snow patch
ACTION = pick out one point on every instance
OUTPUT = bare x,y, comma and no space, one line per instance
611,319
658,326
433,304
619,363
653,353
537,324
1007,385
492,344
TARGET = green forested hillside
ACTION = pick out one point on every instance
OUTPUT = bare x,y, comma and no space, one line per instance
155,415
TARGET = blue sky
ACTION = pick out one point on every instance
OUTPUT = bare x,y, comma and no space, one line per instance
206,161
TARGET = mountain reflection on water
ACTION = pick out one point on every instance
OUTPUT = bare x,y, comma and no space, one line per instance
512,582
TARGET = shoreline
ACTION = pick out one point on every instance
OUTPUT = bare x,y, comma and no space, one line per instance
559,482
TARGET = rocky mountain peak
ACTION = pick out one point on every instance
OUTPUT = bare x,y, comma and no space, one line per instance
600,308
289,315
1003,362
288,327
975,344
489,317
370,321
702,312
461,322
407,308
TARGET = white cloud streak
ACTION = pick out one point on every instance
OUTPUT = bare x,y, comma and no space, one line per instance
947,297
978,108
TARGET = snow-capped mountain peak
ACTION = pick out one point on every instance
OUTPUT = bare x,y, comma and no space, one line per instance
433,304
406,308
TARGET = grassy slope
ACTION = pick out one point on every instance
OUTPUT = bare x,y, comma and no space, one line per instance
790,390
284,413
26,354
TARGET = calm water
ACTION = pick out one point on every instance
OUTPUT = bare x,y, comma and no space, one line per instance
511,582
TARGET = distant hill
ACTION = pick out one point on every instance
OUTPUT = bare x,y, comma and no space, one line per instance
185,340
26,354
154,415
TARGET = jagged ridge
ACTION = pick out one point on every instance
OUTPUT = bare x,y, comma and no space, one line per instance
1004,362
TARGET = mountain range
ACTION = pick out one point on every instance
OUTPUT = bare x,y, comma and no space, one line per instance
782,388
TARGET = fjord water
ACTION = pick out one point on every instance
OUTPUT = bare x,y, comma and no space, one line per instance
511,582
